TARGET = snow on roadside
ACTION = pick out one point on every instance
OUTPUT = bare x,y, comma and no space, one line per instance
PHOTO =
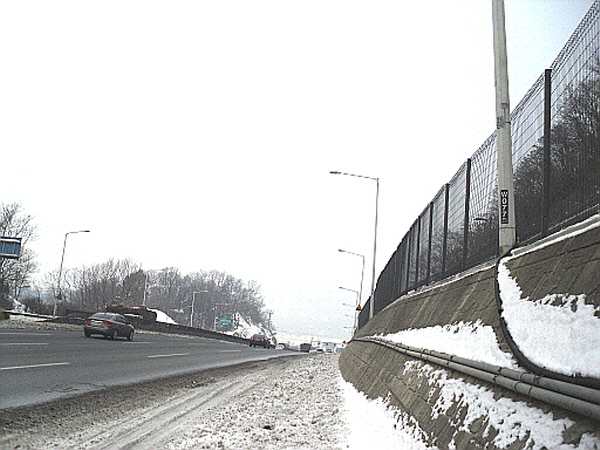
373,424
161,316
559,332
246,329
474,341
513,420
307,407
297,408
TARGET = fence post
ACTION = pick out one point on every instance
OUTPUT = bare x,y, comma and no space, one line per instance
547,142
445,241
418,245
408,260
428,277
467,211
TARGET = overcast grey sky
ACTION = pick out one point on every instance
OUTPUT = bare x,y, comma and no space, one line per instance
200,135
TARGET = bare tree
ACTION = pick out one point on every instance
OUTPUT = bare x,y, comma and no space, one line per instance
15,273
99,285
212,294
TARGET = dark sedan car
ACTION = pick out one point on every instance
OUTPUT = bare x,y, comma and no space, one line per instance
109,325
260,340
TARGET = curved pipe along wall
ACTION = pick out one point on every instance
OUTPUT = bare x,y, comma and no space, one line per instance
570,264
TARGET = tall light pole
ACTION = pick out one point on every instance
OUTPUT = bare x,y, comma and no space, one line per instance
362,276
372,302
58,295
507,235
356,307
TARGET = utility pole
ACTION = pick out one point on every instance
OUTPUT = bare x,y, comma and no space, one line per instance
507,235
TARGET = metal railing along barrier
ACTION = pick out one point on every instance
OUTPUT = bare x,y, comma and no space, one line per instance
572,397
556,164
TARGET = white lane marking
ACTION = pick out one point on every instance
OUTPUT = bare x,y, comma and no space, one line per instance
23,343
35,366
168,356
23,334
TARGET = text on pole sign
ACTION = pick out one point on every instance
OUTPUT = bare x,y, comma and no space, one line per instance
504,216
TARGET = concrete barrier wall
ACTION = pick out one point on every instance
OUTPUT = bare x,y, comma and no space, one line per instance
162,327
413,387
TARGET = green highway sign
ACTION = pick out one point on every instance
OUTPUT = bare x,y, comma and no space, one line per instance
225,322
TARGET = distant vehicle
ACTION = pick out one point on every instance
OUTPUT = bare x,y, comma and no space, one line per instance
77,316
108,325
260,340
305,347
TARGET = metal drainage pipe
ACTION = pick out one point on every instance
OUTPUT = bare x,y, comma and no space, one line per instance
574,398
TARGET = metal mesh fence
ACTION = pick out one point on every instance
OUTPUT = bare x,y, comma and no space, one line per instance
574,176
455,239
424,236
482,222
437,235
556,165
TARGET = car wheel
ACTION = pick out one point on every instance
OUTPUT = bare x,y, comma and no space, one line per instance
130,336
113,335
87,333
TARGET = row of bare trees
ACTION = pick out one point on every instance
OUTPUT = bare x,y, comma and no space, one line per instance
199,297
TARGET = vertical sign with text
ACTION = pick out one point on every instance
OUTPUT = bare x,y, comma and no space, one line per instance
504,216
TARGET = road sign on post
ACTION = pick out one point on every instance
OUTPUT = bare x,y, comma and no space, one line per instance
10,247
225,322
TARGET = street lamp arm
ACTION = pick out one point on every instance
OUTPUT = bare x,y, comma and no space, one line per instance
372,305
348,289
335,172
58,295
351,253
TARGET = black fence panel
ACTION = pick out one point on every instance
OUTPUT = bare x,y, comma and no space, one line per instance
483,206
556,165
438,206
455,238
424,246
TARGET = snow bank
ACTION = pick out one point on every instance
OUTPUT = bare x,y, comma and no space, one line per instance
513,420
373,424
474,341
246,329
162,317
559,332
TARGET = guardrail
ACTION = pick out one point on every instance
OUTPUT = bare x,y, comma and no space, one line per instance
159,327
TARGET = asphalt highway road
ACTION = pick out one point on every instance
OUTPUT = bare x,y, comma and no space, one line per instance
39,366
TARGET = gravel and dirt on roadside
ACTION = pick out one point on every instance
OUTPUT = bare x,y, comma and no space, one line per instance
284,403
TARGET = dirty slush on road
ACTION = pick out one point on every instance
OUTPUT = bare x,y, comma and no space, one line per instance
284,403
